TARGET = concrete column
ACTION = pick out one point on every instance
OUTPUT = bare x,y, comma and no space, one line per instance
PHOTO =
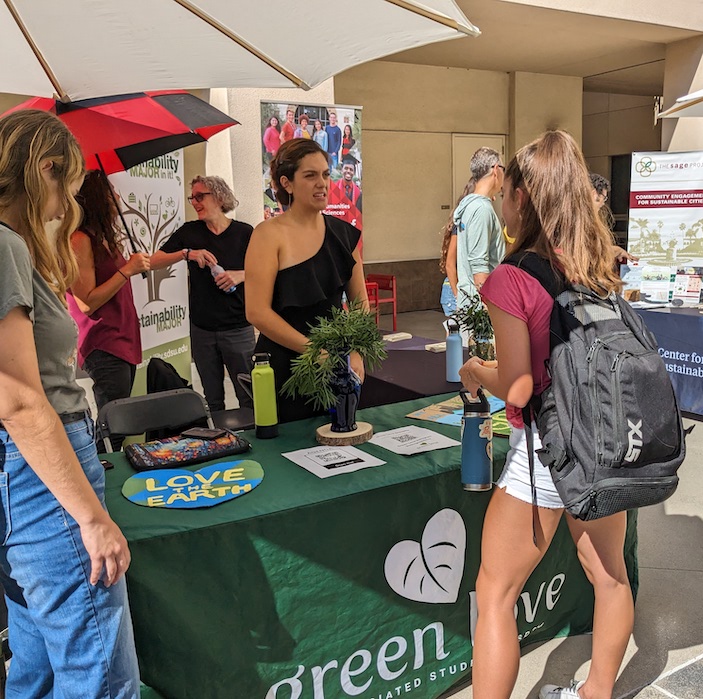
539,102
683,74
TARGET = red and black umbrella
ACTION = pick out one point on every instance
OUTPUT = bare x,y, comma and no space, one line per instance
120,131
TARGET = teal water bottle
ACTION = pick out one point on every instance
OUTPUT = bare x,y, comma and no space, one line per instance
263,390
476,442
455,352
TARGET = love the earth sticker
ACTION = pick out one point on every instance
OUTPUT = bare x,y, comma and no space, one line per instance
182,489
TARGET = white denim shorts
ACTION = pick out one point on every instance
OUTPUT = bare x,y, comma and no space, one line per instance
515,478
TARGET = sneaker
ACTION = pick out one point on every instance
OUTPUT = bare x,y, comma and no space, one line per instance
552,691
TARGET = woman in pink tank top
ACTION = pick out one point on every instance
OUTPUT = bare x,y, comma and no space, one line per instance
100,300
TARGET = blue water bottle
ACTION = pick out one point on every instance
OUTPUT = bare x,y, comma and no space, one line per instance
476,442
455,352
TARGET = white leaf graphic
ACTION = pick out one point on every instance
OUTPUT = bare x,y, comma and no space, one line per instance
430,571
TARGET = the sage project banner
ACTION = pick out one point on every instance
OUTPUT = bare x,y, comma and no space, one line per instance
152,204
337,129
666,224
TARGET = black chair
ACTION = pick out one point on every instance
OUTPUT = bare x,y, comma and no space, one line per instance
234,419
168,412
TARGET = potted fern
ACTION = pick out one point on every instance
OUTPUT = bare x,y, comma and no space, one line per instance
322,373
474,318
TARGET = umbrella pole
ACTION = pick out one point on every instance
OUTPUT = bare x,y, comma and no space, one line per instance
132,244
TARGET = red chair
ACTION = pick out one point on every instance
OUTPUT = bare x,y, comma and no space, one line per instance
372,293
386,282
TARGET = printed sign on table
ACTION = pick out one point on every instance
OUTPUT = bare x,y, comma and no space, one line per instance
179,488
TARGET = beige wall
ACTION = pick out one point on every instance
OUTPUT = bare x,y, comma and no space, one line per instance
539,102
410,113
617,124
683,74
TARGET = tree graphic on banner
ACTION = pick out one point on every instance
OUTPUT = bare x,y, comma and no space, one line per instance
151,224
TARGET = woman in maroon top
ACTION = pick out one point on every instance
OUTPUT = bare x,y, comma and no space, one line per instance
100,300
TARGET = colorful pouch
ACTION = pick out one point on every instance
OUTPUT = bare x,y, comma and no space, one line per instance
182,451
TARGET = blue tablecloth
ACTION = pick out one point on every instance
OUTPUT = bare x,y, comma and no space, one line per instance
679,333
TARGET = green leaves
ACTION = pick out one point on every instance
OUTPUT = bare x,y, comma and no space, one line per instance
330,342
474,318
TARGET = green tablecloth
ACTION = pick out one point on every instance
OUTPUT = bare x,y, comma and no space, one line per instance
283,594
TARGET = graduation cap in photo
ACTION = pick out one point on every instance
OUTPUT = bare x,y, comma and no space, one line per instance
349,159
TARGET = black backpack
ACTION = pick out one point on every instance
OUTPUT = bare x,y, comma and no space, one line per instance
610,427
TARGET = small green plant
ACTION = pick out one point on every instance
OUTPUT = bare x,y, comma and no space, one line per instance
330,342
474,318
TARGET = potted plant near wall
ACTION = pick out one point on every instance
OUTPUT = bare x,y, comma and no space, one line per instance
323,375
474,318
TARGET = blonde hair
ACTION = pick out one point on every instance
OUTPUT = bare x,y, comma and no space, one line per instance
27,138
559,213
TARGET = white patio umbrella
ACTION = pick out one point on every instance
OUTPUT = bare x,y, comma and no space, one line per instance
79,49
686,106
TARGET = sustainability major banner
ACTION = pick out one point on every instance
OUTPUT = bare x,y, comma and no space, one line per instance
152,204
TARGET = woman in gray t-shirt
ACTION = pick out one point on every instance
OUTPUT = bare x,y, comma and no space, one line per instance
62,558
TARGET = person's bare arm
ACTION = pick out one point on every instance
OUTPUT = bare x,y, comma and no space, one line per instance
260,269
161,259
356,290
510,378
37,431
89,296
450,265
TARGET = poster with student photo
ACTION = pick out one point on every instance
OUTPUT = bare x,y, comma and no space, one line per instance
337,128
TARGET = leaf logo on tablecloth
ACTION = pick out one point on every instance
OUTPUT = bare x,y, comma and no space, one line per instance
430,571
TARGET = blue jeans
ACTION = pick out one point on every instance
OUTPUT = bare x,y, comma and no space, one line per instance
447,298
69,639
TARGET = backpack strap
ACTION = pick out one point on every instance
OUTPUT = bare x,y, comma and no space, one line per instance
527,422
554,283
541,269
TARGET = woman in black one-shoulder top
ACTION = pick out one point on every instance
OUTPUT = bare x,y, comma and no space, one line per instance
299,264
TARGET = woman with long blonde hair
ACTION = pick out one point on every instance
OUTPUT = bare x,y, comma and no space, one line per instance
547,205
63,559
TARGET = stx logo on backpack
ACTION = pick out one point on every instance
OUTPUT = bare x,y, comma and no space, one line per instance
634,441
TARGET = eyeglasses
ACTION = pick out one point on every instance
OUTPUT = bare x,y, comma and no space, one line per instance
198,197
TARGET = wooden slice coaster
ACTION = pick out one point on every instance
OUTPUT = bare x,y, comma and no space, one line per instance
362,433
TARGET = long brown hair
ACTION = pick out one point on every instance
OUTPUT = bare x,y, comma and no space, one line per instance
100,215
27,138
448,229
558,213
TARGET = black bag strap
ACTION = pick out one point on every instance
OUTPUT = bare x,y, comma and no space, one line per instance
551,278
527,422
554,283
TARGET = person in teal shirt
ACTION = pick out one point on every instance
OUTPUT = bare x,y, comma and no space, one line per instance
480,242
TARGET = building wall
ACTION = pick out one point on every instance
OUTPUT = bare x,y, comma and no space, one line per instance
410,113
539,102
615,125
683,75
